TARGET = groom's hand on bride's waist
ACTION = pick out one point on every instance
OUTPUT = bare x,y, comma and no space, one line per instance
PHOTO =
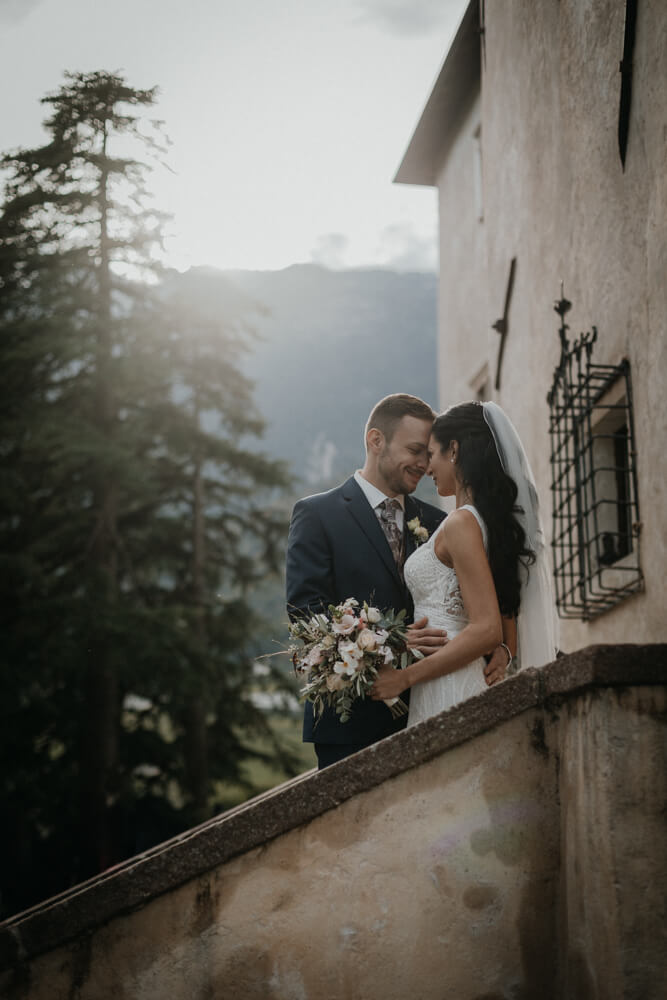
425,639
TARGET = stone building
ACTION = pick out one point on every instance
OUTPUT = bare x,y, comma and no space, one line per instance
546,137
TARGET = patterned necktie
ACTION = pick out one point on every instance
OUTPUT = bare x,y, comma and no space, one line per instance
388,511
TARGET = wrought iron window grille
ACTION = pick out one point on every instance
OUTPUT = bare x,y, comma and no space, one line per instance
596,523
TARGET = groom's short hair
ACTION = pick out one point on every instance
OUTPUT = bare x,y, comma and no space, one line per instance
388,413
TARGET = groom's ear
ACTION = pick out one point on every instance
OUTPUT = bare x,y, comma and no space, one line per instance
374,440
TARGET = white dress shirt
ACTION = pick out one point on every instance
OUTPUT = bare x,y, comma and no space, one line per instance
376,496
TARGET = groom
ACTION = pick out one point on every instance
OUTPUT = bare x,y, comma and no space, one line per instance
352,542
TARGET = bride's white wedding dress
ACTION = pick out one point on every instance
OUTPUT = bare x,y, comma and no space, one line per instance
436,594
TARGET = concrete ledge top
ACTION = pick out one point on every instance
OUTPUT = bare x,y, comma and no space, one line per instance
138,880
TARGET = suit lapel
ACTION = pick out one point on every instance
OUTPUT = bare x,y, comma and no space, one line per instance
362,512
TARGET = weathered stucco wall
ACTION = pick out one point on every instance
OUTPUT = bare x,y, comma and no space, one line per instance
464,302
612,749
512,847
556,197
419,877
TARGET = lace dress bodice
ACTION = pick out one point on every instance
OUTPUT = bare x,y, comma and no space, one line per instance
436,594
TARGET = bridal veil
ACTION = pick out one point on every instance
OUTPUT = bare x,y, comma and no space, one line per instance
536,624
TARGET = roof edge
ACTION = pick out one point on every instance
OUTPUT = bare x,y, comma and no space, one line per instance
449,98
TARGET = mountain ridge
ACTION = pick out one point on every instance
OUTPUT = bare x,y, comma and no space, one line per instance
330,345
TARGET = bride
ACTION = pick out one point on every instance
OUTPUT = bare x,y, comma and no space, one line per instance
486,560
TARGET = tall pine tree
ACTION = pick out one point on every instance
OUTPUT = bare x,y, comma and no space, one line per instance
130,498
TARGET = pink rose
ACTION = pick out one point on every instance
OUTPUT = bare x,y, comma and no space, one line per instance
345,625
314,656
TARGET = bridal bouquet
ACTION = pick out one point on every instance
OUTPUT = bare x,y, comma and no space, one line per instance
339,654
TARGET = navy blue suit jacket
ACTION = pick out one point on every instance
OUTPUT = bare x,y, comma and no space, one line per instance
337,549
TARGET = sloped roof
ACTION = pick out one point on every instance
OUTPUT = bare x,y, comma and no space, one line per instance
458,81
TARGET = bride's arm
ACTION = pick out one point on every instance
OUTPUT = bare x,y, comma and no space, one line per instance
501,657
460,543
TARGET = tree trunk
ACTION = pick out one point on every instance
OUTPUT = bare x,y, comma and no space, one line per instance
100,754
196,748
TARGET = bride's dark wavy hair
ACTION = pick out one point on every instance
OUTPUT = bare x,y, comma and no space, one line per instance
494,495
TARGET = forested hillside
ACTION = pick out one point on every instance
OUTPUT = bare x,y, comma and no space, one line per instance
331,343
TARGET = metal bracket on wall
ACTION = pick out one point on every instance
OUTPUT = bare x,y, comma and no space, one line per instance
482,31
501,325
626,78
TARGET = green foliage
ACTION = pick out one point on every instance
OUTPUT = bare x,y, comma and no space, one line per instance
136,515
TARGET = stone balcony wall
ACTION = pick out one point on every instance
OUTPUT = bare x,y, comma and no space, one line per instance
512,847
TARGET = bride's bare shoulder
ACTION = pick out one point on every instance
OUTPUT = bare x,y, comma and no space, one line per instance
460,522
460,529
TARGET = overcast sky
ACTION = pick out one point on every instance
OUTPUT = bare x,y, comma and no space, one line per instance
289,118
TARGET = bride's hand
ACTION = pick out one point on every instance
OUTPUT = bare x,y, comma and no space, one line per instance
390,683
496,669
425,639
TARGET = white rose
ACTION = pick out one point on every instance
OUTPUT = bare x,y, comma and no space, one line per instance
367,639
335,682
373,615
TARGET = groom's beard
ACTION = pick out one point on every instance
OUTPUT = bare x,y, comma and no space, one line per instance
398,481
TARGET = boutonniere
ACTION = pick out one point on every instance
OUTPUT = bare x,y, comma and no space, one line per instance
418,531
